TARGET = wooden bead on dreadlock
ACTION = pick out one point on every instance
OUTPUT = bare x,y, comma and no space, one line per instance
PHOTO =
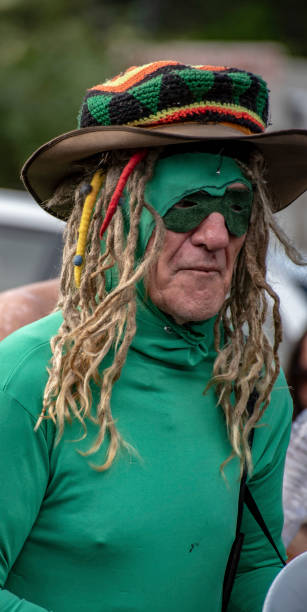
90,191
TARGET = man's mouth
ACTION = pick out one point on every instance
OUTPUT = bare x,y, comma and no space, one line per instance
204,269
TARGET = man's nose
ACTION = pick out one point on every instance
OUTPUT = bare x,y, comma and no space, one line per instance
211,233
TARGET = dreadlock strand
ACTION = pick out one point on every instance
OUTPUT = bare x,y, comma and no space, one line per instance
81,330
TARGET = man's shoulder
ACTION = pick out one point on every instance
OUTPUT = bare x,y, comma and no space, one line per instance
273,430
278,413
281,401
24,356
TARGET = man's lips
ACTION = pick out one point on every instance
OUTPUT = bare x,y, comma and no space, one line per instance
205,269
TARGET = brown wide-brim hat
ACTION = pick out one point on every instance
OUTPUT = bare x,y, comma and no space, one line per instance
234,112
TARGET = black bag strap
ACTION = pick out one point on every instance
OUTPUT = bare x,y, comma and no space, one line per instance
234,555
253,508
246,497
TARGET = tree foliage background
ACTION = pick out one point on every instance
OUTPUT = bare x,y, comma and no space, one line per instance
52,50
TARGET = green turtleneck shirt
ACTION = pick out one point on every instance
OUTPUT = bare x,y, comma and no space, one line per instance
152,533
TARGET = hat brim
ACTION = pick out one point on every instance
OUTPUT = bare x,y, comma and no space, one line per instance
285,152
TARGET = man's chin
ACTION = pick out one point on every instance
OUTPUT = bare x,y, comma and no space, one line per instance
192,315
186,304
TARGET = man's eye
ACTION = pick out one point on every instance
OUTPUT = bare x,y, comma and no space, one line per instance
185,204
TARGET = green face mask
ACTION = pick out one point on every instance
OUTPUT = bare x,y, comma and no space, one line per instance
235,206
186,188
201,178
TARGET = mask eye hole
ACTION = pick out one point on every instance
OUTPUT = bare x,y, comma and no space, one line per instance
236,208
239,187
185,203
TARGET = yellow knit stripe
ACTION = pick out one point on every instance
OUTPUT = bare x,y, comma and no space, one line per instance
122,78
88,206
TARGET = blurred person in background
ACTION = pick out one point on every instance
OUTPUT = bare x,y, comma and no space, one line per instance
295,479
23,305
297,376
126,414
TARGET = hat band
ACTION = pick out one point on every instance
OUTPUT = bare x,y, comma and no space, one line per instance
221,113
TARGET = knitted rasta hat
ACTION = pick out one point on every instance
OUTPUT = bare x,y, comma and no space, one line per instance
169,92
167,103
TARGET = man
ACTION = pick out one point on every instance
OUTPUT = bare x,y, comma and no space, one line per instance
125,497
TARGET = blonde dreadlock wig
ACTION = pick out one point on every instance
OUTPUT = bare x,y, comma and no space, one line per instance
164,103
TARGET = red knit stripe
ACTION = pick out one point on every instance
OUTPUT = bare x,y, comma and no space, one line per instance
182,114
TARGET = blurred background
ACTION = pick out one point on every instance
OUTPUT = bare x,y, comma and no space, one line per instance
51,51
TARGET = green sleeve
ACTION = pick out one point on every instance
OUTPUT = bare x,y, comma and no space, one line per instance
11,603
259,563
23,480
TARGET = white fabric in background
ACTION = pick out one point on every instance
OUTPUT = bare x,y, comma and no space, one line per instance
295,480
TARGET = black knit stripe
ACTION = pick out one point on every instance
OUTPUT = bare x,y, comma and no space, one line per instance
174,92
125,108
249,97
86,119
222,90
